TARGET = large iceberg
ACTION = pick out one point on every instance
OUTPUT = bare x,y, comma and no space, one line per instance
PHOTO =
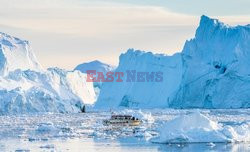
215,67
148,94
212,71
25,87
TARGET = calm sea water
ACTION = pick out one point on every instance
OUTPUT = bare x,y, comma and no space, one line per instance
85,133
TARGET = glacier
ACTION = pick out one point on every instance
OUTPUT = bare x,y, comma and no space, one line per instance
25,87
212,71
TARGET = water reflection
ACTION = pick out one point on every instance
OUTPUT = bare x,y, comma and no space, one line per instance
120,145
204,147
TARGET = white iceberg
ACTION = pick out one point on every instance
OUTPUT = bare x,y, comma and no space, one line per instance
216,67
148,94
94,65
98,66
27,88
198,128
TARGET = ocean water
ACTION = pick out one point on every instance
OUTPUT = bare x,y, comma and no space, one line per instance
85,132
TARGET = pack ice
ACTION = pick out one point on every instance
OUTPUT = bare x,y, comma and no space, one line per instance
212,71
25,87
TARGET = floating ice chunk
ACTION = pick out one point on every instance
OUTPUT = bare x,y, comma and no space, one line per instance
47,146
211,144
197,128
46,128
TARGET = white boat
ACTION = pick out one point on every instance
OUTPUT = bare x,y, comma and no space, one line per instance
124,120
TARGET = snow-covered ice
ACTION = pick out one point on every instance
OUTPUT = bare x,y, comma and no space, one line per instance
98,66
27,88
54,90
198,128
216,73
142,94
95,65
16,54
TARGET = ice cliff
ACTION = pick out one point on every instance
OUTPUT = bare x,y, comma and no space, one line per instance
26,88
212,71
216,70
149,94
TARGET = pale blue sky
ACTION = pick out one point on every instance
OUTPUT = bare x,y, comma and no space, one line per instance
65,33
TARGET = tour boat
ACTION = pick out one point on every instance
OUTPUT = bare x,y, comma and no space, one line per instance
124,120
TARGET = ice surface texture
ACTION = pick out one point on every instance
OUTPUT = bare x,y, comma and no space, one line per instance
216,67
198,128
16,54
27,88
212,71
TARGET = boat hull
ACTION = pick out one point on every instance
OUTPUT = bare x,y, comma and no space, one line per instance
122,122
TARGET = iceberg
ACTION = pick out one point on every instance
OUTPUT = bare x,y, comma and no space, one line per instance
98,66
27,88
198,128
212,71
216,67
94,65
148,94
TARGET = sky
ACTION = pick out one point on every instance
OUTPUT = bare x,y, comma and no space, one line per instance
65,33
